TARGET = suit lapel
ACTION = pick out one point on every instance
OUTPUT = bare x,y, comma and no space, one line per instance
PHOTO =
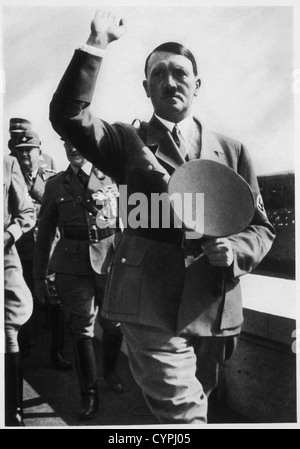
158,136
166,149
211,148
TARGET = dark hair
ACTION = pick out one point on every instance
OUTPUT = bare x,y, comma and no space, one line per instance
177,49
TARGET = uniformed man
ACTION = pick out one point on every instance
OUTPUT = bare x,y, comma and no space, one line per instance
19,217
28,152
19,125
81,202
173,319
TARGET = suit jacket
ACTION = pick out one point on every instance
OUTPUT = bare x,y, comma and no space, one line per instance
61,209
18,210
47,161
19,217
25,245
148,282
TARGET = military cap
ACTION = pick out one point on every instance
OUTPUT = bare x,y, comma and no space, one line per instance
18,125
27,139
227,204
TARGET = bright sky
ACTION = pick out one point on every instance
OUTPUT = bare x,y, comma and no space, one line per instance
244,53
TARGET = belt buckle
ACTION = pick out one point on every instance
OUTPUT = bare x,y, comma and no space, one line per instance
93,234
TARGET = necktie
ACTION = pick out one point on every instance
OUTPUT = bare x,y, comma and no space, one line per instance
175,134
83,178
179,141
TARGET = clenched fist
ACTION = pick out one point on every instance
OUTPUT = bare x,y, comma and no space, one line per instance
106,27
219,252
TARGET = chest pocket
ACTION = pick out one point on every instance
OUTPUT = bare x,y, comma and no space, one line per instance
126,276
67,209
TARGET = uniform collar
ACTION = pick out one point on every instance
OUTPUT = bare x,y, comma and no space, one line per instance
87,168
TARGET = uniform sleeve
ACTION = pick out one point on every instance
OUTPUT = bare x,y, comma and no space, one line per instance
99,142
252,244
20,204
48,221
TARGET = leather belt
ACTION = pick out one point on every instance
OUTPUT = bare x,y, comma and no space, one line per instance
172,236
91,235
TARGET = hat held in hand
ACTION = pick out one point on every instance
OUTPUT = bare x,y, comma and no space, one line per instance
228,202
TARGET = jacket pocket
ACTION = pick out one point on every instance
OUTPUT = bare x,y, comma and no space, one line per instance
126,276
67,209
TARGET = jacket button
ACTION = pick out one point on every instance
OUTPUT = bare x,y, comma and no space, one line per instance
123,260
150,167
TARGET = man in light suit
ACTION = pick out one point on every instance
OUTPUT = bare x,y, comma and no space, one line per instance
174,320
19,218
27,151
75,201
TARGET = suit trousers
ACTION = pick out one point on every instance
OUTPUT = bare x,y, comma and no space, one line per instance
170,370
82,297
18,303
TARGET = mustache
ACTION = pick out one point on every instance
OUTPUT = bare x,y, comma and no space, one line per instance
169,92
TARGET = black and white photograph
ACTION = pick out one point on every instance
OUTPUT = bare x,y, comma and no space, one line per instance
149,217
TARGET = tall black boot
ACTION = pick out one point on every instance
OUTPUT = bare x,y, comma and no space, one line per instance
25,337
87,373
13,390
57,329
112,341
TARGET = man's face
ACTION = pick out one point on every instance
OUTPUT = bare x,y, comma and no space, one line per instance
28,158
171,85
74,157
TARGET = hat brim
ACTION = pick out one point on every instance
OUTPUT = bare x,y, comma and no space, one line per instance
22,145
227,198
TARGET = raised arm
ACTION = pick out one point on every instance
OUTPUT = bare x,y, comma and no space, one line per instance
106,27
70,115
